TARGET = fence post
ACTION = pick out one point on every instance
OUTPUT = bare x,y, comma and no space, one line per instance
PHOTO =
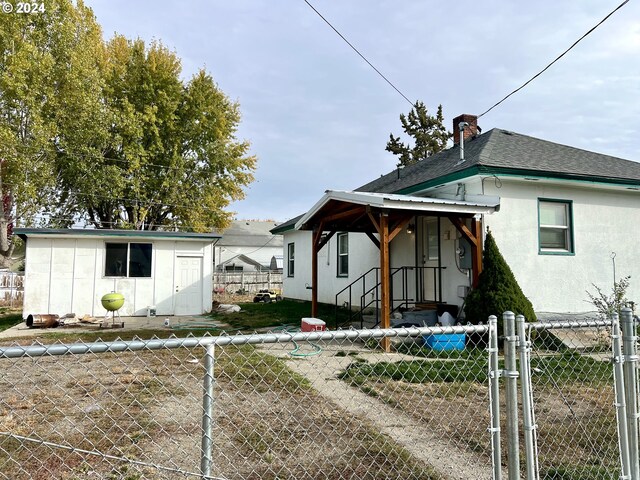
207,413
511,394
630,359
494,398
619,389
527,400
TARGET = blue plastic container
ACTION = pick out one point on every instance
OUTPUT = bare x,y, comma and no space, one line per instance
445,342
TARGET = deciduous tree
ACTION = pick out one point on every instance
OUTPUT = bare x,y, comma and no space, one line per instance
45,61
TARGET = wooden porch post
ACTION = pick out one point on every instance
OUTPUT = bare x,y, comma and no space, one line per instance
385,280
314,272
476,251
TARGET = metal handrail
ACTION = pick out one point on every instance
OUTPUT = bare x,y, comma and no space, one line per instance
404,301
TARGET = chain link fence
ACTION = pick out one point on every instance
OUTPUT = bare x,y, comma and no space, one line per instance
573,400
286,405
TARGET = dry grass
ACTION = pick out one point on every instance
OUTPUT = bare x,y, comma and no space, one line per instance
269,423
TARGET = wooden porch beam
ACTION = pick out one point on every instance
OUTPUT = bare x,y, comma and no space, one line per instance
399,227
347,213
376,225
324,240
462,228
375,241
474,236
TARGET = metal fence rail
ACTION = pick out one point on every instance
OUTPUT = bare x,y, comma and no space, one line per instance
308,405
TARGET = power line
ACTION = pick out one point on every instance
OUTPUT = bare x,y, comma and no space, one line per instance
556,59
358,52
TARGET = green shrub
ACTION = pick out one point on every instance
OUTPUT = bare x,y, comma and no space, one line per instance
497,291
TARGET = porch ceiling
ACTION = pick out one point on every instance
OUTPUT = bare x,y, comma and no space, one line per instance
350,211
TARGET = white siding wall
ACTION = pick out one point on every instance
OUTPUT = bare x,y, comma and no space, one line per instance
363,255
604,222
66,275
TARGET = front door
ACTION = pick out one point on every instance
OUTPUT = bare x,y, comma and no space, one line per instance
430,259
189,286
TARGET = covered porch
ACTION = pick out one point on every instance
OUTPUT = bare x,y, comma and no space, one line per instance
382,217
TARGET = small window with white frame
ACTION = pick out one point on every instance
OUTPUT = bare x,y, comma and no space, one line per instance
343,254
555,230
291,251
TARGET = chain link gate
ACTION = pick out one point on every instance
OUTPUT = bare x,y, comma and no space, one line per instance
278,405
578,397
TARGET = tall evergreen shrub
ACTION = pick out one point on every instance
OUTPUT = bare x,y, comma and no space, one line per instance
498,290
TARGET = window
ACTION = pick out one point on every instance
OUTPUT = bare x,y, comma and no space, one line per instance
291,250
233,268
343,254
555,226
127,260
432,239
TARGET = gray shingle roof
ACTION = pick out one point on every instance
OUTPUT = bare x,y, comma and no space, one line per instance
250,233
501,149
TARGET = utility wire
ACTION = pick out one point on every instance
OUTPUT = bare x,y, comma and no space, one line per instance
358,52
556,59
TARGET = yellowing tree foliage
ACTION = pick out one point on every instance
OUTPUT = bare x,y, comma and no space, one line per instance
108,132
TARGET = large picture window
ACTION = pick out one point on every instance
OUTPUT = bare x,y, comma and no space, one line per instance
128,260
291,251
555,226
343,254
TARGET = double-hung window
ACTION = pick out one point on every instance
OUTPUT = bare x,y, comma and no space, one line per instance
555,226
128,260
291,251
343,254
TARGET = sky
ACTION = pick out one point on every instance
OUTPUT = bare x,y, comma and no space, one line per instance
318,117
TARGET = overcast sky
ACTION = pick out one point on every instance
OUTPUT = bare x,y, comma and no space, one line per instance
318,117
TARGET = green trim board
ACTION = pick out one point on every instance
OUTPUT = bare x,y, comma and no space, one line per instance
514,172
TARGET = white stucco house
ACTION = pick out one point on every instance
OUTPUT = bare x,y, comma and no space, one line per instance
69,270
557,213
247,246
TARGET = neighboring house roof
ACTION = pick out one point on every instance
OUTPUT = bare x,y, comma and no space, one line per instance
244,259
250,233
286,226
502,151
100,233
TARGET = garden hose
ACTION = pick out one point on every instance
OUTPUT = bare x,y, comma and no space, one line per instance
296,350
194,326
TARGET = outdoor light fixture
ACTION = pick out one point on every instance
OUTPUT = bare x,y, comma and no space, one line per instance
411,228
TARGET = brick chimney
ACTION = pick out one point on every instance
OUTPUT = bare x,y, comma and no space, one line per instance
469,131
